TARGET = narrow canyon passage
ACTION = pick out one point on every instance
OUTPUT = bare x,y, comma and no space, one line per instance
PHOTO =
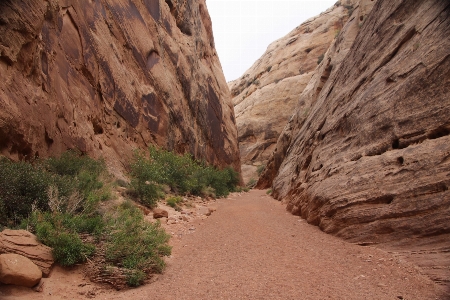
251,248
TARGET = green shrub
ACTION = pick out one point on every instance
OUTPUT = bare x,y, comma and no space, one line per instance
240,189
174,201
58,199
55,231
22,186
181,173
260,169
71,180
68,249
134,243
135,277
76,172
269,192
251,183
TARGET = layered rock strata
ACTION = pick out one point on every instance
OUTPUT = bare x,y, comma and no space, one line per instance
24,243
369,162
107,77
267,94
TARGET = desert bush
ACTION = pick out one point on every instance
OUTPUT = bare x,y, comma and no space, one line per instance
251,183
180,172
260,169
22,186
67,182
58,199
59,231
174,201
135,244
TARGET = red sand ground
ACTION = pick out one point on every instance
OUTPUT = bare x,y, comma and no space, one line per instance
251,248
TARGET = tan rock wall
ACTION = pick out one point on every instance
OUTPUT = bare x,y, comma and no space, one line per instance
369,163
266,95
107,77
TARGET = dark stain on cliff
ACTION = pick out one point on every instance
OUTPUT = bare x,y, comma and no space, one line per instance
215,118
152,59
153,8
125,109
153,110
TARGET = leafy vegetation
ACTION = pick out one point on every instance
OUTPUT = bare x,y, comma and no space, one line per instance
181,173
251,183
135,244
68,180
260,169
58,199
174,201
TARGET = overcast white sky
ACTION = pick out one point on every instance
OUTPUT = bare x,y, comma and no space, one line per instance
244,28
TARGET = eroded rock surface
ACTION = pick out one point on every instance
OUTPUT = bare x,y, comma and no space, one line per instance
370,160
107,77
267,94
24,243
18,270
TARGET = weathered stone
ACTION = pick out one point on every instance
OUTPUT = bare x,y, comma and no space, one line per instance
107,77
203,210
370,161
18,270
267,94
160,213
26,244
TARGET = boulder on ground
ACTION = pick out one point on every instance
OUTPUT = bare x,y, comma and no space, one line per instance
160,213
18,270
26,244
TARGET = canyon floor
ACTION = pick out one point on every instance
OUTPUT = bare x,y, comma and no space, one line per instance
251,248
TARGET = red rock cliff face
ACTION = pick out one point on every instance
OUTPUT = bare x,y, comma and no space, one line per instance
107,77
370,160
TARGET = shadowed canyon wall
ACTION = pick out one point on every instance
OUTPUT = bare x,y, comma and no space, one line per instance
369,161
107,77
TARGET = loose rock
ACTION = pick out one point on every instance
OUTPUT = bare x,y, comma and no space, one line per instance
26,244
18,270
160,213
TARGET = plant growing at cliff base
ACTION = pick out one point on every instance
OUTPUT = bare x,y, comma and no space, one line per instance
251,183
174,201
181,173
260,169
135,244
70,177
58,200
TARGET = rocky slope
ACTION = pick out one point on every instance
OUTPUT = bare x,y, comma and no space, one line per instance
266,95
369,161
107,77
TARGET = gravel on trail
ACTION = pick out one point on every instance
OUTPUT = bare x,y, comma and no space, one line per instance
251,248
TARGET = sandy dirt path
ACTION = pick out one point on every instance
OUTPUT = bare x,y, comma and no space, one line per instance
251,248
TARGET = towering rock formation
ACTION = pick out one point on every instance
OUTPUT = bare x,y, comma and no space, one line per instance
369,161
107,77
267,94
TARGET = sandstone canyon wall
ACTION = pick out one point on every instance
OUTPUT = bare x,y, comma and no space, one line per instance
370,160
267,94
110,76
